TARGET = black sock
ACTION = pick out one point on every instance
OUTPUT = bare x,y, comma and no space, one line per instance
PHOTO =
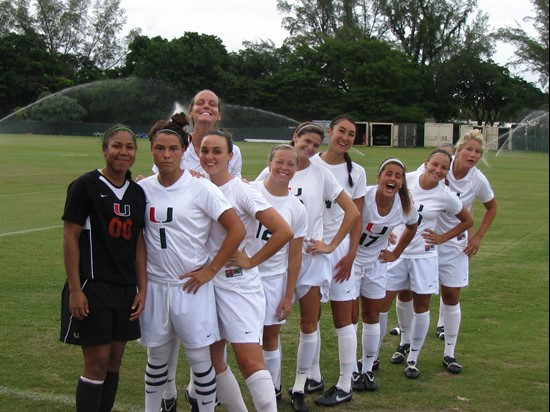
110,386
88,396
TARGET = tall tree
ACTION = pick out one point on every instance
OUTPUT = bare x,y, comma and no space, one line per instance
426,29
531,52
72,27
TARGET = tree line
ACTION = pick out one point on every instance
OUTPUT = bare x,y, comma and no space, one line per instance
377,60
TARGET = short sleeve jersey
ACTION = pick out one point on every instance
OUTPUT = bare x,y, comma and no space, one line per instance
178,222
473,186
112,218
333,213
430,204
376,228
247,202
191,161
313,186
294,213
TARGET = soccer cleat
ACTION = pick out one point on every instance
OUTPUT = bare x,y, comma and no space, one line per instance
395,331
411,371
452,365
368,381
298,402
314,386
400,354
279,393
357,384
376,364
193,404
440,332
169,405
334,396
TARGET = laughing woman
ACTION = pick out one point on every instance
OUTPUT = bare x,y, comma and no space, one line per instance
387,205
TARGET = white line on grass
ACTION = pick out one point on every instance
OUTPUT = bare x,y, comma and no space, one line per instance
59,399
22,232
362,154
30,193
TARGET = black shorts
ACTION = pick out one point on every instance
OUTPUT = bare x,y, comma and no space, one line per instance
110,306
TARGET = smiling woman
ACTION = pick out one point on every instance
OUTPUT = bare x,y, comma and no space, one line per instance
104,256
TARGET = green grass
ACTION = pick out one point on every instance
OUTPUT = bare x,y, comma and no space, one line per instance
503,343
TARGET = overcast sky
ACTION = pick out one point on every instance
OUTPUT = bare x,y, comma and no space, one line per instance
235,21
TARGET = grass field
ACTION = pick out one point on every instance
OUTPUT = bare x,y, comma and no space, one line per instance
503,343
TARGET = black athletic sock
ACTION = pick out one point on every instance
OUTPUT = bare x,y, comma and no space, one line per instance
88,396
110,386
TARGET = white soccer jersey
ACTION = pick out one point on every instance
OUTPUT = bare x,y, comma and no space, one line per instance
247,202
333,213
191,161
473,185
313,186
178,220
294,213
430,204
376,229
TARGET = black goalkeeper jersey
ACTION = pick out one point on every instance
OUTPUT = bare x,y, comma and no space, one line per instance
112,218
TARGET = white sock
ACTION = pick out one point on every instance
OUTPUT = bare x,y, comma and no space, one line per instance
440,321
383,318
261,390
315,368
191,385
420,325
170,390
204,377
228,391
370,341
356,327
404,318
156,373
347,348
273,364
452,315
306,352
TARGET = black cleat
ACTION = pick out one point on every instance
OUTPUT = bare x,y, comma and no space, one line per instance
279,393
400,354
440,332
334,396
298,402
411,371
376,365
314,386
193,404
368,381
395,331
356,382
169,405
452,365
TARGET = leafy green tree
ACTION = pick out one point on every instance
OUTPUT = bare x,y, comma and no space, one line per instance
72,27
485,91
58,109
27,69
191,62
426,30
531,52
